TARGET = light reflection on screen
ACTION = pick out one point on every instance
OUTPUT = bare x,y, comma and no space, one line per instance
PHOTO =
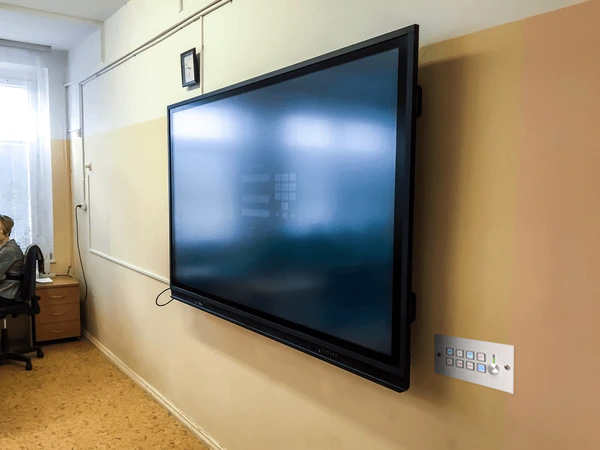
283,199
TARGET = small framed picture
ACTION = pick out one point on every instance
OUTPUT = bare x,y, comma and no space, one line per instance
190,73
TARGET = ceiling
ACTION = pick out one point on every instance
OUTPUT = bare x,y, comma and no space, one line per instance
87,9
63,24
69,23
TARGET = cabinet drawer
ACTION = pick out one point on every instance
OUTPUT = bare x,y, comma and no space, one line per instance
58,313
58,330
58,296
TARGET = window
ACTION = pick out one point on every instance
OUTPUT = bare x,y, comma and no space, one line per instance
25,161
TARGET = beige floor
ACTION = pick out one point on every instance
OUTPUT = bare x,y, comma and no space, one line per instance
74,398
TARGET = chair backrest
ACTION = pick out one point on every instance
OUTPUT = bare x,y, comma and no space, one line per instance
33,256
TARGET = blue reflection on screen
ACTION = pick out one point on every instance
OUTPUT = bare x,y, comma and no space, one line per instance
283,199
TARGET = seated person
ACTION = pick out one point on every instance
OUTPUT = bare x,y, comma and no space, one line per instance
11,262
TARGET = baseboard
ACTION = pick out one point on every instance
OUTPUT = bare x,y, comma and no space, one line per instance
176,412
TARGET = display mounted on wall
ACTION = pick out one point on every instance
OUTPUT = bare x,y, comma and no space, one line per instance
291,205
190,73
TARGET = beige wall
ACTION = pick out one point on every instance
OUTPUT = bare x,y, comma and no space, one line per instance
505,249
57,64
62,206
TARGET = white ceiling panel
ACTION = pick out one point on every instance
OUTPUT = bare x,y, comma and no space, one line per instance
61,24
34,29
87,9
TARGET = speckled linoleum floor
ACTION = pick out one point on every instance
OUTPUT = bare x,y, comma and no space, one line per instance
75,398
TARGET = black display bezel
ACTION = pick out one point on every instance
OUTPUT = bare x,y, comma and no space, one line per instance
392,371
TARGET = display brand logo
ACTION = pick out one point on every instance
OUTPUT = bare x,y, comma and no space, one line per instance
328,353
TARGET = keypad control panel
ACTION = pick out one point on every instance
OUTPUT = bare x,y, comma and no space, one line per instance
484,363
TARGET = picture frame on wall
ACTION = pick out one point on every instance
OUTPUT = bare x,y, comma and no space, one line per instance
190,72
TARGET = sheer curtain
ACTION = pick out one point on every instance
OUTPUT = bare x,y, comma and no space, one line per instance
25,159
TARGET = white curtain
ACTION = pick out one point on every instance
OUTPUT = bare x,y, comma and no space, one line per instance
25,159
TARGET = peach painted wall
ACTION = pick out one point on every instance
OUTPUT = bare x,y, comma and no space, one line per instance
508,219
555,304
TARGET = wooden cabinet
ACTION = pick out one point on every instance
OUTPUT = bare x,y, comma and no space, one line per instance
59,316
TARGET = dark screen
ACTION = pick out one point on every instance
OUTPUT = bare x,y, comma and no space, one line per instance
283,199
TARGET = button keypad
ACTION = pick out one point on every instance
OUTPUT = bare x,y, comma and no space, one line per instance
470,355
484,363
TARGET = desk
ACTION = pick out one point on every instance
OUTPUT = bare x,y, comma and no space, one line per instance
59,316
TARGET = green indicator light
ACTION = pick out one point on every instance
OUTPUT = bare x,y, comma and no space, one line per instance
494,359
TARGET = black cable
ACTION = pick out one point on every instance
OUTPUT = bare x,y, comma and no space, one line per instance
164,304
79,253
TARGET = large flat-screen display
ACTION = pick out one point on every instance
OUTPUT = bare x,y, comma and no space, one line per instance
291,205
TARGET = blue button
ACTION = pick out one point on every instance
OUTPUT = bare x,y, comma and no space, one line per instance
449,351
470,355
481,368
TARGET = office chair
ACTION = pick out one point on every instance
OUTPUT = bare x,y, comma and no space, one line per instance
27,303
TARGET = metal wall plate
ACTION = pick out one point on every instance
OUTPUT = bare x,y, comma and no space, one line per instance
485,363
